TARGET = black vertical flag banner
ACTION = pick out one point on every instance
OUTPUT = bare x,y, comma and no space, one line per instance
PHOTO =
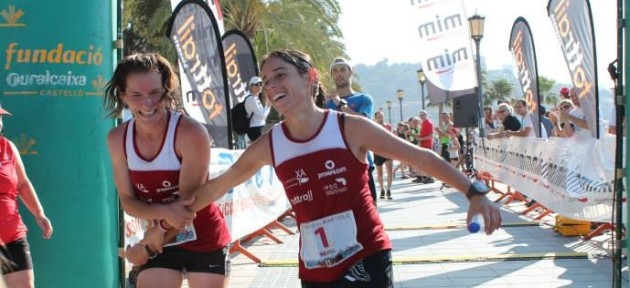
195,35
524,52
573,23
241,64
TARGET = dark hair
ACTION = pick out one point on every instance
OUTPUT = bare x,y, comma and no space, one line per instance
320,97
304,65
299,59
139,63
522,102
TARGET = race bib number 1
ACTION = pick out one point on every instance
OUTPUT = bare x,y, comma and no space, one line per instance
328,241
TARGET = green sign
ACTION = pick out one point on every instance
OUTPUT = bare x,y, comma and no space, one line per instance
56,58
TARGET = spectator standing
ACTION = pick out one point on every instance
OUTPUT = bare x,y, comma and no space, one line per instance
14,184
544,120
445,125
379,160
351,102
526,120
509,122
255,107
488,120
426,140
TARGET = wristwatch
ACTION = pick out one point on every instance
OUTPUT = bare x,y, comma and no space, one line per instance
152,254
477,188
342,103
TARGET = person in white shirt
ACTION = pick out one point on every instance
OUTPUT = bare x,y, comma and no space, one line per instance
527,125
576,115
256,109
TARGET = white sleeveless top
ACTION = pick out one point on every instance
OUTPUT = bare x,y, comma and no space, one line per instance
166,158
329,137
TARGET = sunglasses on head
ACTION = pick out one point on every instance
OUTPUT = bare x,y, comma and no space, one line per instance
257,84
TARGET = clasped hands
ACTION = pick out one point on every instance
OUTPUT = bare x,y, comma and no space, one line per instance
176,217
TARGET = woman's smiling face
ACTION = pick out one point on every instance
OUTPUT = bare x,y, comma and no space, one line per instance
144,95
283,85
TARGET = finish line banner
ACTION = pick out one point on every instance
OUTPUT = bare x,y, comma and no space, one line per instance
247,207
571,176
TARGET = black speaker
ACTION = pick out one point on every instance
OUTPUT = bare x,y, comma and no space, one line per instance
465,111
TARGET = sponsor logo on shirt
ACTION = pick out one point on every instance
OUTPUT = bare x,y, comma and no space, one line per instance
331,170
339,186
167,187
306,197
300,179
140,187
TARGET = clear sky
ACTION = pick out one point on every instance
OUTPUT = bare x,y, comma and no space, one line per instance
376,29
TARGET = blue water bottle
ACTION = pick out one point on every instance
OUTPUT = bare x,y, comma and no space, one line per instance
476,224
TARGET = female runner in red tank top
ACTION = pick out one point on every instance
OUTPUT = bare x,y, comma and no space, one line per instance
321,158
15,256
160,157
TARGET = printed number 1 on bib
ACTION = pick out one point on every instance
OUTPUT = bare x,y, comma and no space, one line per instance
328,241
322,234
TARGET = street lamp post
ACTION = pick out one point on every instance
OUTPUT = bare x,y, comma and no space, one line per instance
400,94
421,79
389,110
476,33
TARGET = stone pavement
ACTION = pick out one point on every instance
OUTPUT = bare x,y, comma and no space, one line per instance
433,249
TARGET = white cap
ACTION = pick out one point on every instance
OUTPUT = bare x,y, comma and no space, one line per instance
340,61
254,80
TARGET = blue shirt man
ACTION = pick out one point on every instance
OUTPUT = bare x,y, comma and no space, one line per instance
347,100
350,102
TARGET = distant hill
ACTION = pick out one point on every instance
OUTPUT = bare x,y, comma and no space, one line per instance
382,79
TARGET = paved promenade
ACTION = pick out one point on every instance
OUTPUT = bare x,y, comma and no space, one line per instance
433,249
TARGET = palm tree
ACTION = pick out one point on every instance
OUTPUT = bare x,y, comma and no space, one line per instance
500,89
146,23
307,25
544,87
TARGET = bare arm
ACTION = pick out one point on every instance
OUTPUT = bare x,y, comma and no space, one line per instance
520,133
253,158
360,134
577,121
193,145
349,110
29,196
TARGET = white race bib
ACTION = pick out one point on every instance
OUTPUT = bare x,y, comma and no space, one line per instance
328,241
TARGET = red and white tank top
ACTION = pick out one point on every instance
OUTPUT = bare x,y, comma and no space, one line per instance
156,181
327,187
11,226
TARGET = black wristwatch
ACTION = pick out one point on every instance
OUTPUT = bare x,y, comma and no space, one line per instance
477,188
342,103
152,254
